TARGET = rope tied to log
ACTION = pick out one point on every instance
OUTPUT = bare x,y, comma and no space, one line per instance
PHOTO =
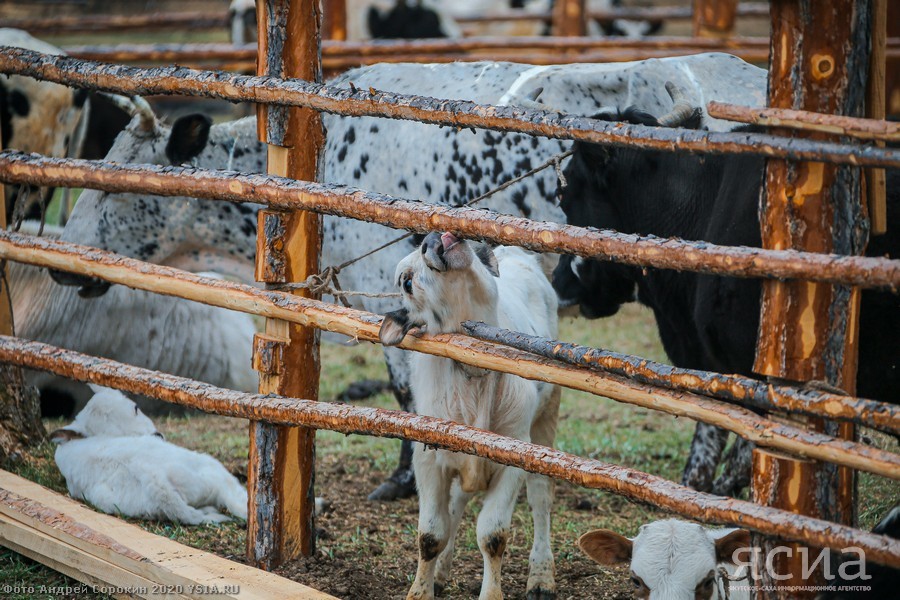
326,282
724,579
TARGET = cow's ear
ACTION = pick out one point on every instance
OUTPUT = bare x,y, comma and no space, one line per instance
488,259
395,326
606,547
189,137
61,436
727,545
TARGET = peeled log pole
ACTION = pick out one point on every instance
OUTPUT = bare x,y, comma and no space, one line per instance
809,331
864,129
456,113
732,388
714,18
364,326
451,436
343,201
282,459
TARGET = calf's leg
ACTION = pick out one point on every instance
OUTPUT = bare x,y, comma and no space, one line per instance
493,527
458,501
738,464
434,520
541,570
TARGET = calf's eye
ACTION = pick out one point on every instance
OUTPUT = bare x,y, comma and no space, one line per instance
407,285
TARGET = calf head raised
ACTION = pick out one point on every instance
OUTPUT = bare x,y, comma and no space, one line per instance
444,282
671,559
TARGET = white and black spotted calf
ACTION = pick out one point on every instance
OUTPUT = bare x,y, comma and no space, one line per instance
402,158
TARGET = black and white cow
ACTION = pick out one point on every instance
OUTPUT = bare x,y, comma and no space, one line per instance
705,322
402,158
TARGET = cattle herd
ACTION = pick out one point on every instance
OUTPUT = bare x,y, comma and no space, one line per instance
705,322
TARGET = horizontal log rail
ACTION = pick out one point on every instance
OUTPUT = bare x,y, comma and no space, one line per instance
457,113
448,435
557,45
732,388
364,326
561,49
117,23
865,129
649,13
419,217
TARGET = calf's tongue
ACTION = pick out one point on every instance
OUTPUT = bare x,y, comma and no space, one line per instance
448,240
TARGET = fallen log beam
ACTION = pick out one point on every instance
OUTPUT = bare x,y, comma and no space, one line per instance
420,217
864,129
365,326
732,388
450,436
457,113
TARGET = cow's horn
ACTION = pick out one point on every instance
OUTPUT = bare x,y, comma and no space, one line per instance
681,112
134,105
143,109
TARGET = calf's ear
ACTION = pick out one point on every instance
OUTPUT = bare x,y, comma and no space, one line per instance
61,436
395,326
727,545
189,137
488,259
606,547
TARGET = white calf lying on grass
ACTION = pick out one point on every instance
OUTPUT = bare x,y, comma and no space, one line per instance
445,282
674,560
112,456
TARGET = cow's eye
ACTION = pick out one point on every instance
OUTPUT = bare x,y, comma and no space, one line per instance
407,285
637,582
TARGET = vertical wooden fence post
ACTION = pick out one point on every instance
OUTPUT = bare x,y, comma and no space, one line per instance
334,19
282,459
892,68
819,61
569,18
714,18
876,183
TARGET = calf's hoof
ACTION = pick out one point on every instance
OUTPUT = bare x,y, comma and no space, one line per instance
539,593
402,484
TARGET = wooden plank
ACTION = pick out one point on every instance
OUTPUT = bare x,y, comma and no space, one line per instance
808,331
282,459
186,570
79,565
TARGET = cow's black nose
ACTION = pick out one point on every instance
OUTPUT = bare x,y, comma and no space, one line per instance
433,242
89,287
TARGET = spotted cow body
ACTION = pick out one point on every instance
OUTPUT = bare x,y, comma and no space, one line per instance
401,158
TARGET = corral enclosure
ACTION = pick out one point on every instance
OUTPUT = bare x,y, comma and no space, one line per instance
365,546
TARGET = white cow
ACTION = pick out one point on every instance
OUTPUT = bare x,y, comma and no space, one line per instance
112,456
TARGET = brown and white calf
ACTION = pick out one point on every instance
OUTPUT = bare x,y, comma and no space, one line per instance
444,282
675,560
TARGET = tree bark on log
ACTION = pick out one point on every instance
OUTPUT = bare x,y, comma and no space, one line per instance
20,408
808,331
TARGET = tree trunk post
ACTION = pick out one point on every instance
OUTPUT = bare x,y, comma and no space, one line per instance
714,18
569,18
282,459
819,62
876,183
